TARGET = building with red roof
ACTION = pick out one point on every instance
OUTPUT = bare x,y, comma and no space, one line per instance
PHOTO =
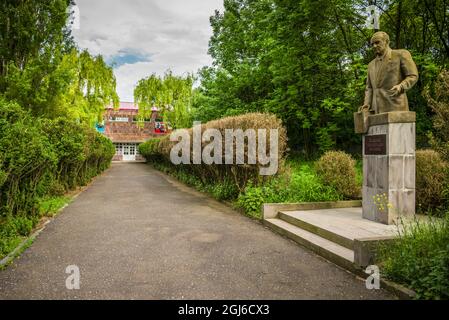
121,125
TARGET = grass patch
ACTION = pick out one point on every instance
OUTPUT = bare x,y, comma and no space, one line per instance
15,229
419,259
49,206
25,246
298,184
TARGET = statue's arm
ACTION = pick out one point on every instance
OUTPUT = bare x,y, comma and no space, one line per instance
409,70
368,92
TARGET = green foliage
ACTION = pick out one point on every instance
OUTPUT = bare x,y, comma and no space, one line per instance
150,150
419,259
50,96
299,184
239,174
29,28
9,236
305,61
41,69
49,205
252,200
74,85
23,225
337,169
301,76
306,186
438,98
172,94
26,154
225,190
432,180
42,156
13,229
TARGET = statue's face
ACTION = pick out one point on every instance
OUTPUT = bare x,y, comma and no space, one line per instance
379,45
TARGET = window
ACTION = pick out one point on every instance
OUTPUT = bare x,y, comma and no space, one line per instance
119,149
120,119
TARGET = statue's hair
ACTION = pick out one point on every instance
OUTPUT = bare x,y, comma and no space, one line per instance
381,34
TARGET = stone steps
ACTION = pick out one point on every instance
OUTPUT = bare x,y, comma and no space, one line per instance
317,230
326,248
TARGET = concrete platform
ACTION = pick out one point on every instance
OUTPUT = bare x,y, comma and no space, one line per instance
326,248
344,222
340,235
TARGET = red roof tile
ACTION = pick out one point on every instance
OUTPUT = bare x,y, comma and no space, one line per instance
125,106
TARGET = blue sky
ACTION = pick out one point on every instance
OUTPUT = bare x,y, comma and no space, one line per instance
127,56
142,37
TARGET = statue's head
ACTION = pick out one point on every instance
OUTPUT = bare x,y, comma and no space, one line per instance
380,42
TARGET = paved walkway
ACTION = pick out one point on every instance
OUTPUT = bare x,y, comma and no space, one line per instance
135,234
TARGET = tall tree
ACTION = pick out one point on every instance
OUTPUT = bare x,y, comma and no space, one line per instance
171,94
27,27
305,61
40,67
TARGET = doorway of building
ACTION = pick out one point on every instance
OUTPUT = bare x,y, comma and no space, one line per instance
128,151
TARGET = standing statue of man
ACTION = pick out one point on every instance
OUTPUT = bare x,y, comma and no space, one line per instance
390,75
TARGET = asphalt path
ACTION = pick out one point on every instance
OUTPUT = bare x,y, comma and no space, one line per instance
134,233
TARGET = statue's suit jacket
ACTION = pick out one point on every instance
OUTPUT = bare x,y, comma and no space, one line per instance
396,68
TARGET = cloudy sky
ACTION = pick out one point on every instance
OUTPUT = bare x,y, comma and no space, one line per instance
142,37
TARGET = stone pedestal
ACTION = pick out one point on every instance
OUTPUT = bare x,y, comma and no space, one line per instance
389,167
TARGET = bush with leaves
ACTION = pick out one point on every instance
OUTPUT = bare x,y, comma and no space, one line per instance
337,169
432,179
38,158
27,155
240,174
298,184
438,99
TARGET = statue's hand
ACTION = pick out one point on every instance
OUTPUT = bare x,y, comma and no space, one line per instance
396,90
365,107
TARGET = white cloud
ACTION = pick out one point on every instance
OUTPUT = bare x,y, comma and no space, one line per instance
174,33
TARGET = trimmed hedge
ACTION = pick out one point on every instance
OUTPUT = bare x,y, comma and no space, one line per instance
40,157
158,150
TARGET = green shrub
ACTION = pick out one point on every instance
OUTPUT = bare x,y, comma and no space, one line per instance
9,238
23,225
419,258
38,158
431,181
438,99
300,185
45,156
158,150
225,190
12,231
26,155
252,200
150,150
337,169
